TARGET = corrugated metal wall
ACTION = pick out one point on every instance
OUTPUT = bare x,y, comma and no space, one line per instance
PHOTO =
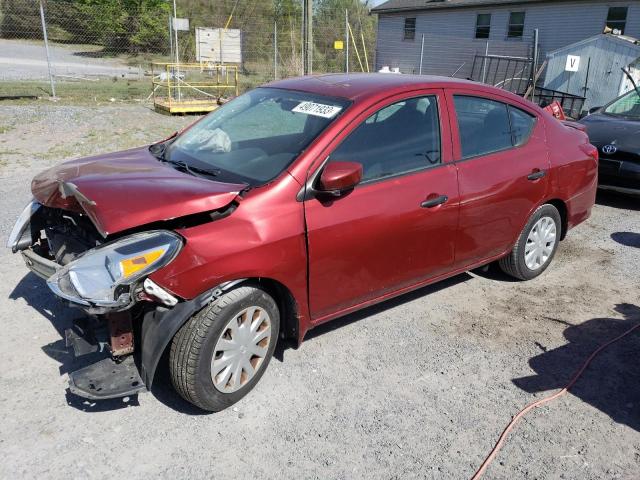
449,33
608,55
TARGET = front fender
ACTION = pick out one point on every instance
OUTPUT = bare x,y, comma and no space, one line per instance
159,326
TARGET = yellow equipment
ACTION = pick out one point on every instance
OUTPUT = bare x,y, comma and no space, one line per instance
192,87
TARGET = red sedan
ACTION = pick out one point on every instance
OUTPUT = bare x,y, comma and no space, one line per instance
289,206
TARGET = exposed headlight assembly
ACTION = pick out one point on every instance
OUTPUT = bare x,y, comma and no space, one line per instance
103,276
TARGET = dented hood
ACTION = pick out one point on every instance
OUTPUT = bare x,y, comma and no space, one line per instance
123,190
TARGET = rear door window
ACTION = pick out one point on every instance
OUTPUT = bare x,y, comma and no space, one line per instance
483,124
488,126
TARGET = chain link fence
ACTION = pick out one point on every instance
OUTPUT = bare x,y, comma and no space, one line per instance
105,49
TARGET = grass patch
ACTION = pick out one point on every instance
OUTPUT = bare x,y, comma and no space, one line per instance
82,92
10,152
87,92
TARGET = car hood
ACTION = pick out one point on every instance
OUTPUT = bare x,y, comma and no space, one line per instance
606,129
124,190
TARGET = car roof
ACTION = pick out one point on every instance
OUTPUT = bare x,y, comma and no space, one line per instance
357,86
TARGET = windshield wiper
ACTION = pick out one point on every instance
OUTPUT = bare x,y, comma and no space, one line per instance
158,150
195,171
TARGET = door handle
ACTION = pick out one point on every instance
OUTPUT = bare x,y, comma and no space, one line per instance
434,202
536,175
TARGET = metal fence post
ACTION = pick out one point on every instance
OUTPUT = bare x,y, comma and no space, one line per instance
171,37
275,49
421,53
307,53
46,47
175,33
534,69
484,64
346,34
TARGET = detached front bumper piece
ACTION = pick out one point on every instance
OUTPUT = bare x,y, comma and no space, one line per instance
107,379
102,376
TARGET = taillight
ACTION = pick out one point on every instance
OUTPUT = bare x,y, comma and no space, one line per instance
590,150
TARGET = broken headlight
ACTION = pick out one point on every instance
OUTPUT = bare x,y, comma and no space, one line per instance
103,276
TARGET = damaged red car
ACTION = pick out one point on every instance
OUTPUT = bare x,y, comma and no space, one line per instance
289,206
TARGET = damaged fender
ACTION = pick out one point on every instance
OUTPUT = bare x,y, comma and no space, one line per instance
161,325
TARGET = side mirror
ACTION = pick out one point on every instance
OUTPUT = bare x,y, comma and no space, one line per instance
594,110
338,177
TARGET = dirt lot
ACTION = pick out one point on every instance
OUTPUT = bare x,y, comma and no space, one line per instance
418,387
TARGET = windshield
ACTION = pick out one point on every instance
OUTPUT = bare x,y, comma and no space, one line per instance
256,136
626,106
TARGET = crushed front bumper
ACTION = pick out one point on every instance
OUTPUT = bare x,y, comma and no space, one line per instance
39,265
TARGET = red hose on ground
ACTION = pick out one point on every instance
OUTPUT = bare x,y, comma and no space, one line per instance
540,402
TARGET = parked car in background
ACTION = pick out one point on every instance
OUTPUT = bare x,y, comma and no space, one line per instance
615,130
292,205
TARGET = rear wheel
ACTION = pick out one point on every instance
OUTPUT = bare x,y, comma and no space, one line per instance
219,355
536,245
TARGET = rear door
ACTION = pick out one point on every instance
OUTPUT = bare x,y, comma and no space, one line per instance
503,167
397,227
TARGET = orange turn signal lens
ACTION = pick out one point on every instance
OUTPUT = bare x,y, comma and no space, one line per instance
132,265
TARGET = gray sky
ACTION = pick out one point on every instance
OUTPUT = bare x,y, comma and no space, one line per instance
375,3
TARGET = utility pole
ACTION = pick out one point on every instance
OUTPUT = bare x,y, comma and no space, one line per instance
307,37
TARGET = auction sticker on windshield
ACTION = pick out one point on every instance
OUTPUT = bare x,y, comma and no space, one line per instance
317,109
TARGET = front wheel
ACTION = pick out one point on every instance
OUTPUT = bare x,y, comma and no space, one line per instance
219,355
536,245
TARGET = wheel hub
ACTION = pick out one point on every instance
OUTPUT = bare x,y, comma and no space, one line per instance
241,349
540,243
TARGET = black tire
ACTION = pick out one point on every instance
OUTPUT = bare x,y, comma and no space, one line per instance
193,346
514,264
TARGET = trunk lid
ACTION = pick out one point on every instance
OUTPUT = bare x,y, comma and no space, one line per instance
124,190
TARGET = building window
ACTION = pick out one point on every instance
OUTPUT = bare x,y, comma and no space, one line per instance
483,25
516,25
617,19
409,28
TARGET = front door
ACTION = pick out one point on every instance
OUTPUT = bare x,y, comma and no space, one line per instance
397,227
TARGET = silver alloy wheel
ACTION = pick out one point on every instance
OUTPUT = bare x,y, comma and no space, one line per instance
540,243
241,349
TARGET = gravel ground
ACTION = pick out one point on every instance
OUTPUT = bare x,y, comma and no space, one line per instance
418,387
